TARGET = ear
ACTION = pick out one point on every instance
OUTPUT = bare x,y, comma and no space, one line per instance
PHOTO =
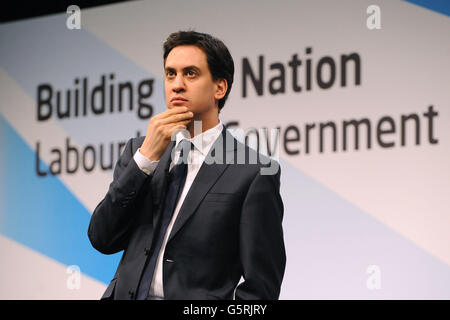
221,88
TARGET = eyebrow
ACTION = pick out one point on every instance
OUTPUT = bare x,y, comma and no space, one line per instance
192,67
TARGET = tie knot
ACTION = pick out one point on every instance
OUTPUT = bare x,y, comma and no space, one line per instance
185,147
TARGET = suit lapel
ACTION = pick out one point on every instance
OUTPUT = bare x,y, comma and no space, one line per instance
205,179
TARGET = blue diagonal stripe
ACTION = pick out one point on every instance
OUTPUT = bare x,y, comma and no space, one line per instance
441,6
41,213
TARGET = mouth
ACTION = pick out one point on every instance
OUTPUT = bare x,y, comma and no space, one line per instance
178,100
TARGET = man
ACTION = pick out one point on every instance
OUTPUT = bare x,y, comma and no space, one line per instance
191,231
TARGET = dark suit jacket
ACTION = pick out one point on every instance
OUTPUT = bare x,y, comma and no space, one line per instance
230,224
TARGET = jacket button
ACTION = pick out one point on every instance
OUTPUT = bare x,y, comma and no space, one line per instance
131,294
146,251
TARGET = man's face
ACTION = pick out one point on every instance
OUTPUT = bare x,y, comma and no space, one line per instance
188,81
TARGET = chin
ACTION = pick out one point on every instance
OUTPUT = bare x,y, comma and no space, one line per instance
171,106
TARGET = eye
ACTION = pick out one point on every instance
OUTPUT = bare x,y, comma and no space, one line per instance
191,73
170,74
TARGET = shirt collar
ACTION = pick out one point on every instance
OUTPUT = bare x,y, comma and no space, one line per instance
203,141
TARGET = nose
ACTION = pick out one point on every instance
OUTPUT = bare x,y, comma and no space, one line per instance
178,84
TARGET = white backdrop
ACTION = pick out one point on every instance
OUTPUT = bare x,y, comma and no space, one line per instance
367,223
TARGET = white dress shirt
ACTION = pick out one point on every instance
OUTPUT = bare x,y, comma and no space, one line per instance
202,144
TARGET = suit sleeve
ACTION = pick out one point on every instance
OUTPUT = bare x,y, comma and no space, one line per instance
262,250
113,218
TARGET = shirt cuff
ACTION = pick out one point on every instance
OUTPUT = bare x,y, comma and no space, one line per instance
147,166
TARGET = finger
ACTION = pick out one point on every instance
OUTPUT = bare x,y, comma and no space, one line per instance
169,112
177,118
182,124
175,128
169,126
173,111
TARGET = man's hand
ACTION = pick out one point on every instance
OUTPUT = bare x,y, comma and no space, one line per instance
160,129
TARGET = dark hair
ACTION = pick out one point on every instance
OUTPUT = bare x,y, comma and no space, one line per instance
219,59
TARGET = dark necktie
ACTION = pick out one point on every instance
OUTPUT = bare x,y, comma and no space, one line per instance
177,178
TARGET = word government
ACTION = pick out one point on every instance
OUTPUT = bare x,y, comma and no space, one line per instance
314,138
